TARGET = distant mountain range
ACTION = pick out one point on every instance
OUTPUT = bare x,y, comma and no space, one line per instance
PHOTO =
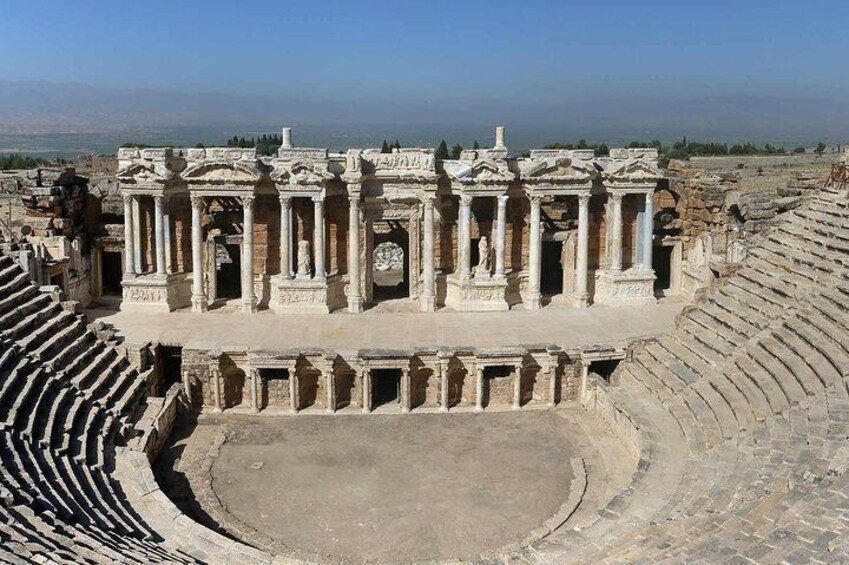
48,108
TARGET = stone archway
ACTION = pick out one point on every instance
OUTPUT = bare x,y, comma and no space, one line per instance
390,261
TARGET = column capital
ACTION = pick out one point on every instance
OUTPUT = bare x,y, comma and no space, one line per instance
354,199
128,198
158,199
428,199
197,202
248,201
616,197
285,199
650,196
584,198
502,199
466,199
318,199
536,199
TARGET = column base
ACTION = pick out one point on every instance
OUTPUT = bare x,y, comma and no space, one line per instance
200,304
581,300
355,304
427,303
532,300
634,287
249,306
478,408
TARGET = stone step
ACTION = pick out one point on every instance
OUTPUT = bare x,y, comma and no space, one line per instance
783,367
765,382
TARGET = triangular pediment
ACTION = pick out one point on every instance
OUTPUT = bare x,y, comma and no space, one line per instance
633,170
143,172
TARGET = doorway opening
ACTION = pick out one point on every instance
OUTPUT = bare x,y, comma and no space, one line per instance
387,387
112,272
604,367
390,262
498,385
172,365
662,265
228,270
551,275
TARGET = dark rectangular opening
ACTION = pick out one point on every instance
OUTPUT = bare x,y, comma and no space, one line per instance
551,275
386,387
604,368
228,263
662,265
274,374
111,272
172,365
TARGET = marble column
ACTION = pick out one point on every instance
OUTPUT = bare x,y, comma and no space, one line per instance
355,295
199,301
285,237
581,298
648,231
129,238
166,219
137,243
552,381
464,236
443,386
500,234
330,386
159,235
294,402
517,387
248,295
254,391
535,255
318,236
428,297
479,389
366,390
216,386
615,231
405,389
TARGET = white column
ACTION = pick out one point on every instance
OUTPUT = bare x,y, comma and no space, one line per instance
535,257
464,236
443,385
248,295
405,389
648,231
517,387
254,391
479,388
355,295
166,219
129,238
137,247
615,231
581,298
285,237
500,234
552,382
294,402
428,297
330,386
216,386
159,235
318,235
366,390
583,396
199,303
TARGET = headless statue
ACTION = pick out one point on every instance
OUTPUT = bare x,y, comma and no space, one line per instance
303,259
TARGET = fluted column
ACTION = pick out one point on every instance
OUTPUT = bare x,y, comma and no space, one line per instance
199,301
581,298
248,295
464,236
615,231
535,255
355,294
129,238
428,297
318,236
166,219
159,235
500,234
285,237
648,229
137,243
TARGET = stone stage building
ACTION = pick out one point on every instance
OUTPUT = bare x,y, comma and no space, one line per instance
297,233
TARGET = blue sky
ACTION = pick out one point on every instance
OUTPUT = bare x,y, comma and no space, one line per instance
372,50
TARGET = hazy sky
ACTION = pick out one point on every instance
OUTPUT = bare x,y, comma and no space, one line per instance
431,50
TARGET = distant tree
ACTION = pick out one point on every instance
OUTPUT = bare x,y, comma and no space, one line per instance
602,150
385,147
442,150
476,145
199,146
800,149
760,171
820,149
396,145
456,150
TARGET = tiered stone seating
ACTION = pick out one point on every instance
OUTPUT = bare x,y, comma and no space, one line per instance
63,395
755,379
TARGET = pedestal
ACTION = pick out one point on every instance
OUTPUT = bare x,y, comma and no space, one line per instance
307,296
477,294
155,293
634,287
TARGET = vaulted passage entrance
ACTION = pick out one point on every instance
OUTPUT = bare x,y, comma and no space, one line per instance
387,387
551,276
228,269
390,261
112,272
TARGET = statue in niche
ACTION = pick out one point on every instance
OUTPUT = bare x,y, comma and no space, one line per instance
482,268
303,260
